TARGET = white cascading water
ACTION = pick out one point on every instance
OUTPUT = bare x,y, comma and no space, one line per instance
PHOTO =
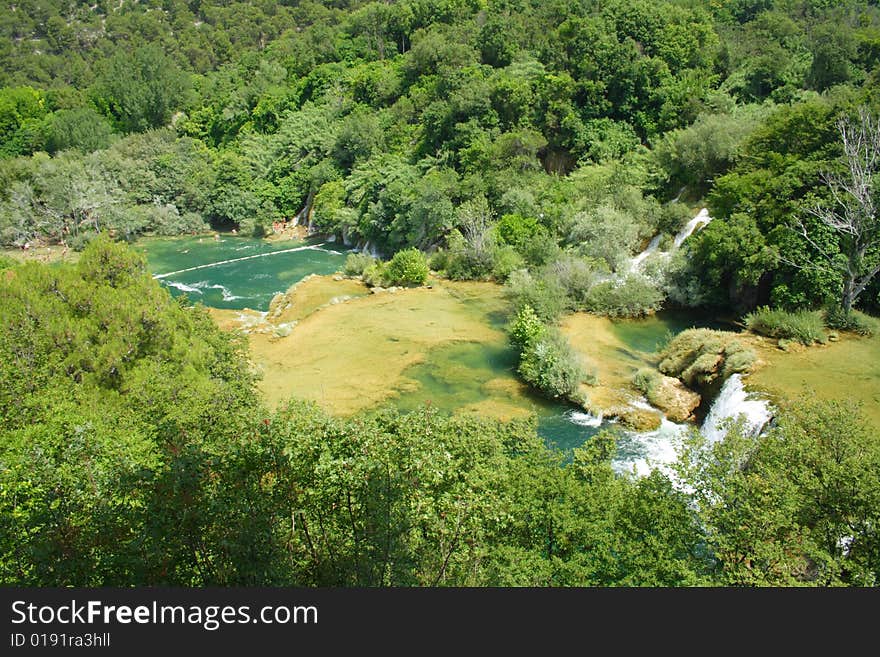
699,221
653,245
733,402
645,450
585,419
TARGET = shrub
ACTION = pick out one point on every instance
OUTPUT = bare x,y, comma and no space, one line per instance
854,321
701,356
357,263
550,365
647,380
804,326
526,328
739,362
407,267
635,296
575,275
374,274
545,295
606,233
464,262
505,260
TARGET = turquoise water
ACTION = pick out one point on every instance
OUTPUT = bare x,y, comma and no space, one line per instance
236,272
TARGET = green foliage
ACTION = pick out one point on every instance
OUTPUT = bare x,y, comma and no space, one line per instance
141,89
357,263
545,294
855,321
634,296
550,365
606,233
526,328
647,381
21,112
113,399
796,506
731,255
82,129
694,156
702,356
804,326
407,267
374,273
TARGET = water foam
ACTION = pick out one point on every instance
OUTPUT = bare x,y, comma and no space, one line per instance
183,287
585,419
735,402
643,451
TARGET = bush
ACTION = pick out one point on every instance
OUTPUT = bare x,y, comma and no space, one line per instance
545,295
647,380
357,263
701,356
463,262
505,261
804,326
526,329
550,365
854,321
738,359
407,267
635,296
576,277
374,274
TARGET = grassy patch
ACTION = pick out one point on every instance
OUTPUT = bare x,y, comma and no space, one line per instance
805,326
854,321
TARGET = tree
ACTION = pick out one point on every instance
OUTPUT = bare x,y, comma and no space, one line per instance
853,214
141,89
796,506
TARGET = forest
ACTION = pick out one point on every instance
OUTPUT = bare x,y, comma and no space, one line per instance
538,145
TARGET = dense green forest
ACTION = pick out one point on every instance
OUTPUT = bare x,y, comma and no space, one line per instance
506,135
537,144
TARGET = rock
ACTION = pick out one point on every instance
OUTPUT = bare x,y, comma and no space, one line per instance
638,419
833,336
675,399
275,306
283,330
338,277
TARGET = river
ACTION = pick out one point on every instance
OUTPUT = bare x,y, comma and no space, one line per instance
237,273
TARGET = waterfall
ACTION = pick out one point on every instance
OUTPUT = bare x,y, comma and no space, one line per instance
701,219
585,419
698,221
732,402
653,245
643,451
